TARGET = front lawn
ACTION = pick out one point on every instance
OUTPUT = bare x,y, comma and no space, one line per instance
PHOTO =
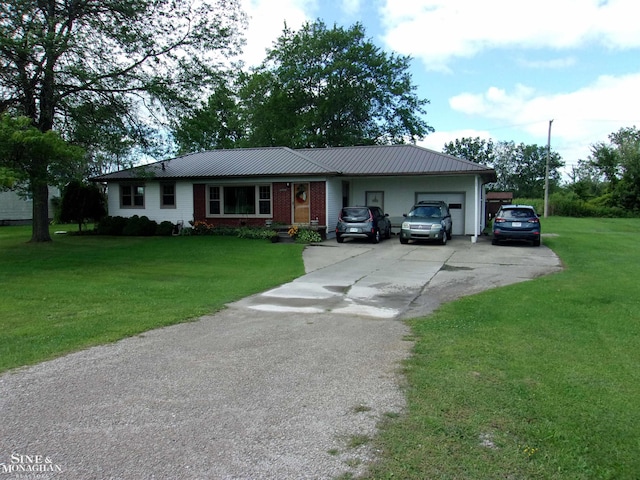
80,291
535,380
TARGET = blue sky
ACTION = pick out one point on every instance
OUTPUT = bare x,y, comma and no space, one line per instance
499,69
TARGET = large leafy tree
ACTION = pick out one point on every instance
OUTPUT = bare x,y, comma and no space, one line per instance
619,162
332,87
24,151
213,125
475,150
108,65
522,168
317,87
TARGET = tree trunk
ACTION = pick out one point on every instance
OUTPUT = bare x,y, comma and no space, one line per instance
40,230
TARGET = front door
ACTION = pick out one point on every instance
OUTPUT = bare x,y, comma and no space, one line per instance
301,194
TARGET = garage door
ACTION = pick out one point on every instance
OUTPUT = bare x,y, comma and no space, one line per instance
456,207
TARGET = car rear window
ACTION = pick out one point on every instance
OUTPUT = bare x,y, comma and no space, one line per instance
355,214
517,213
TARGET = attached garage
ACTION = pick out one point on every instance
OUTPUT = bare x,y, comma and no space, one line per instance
456,207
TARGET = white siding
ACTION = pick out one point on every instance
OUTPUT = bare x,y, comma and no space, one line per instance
182,213
334,204
14,208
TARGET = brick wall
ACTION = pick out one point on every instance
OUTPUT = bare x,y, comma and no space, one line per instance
199,202
318,202
281,192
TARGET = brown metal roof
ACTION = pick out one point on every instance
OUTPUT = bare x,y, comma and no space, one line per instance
384,160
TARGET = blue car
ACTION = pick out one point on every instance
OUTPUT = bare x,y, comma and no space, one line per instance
516,222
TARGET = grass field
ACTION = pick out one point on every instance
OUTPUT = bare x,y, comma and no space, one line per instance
538,380
79,291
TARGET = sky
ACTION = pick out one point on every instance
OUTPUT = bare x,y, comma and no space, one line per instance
506,70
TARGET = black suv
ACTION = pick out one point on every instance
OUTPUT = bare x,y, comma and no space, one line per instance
516,222
363,222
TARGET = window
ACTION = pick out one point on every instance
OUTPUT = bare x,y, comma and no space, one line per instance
167,195
214,200
239,200
265,199
234,200
132,196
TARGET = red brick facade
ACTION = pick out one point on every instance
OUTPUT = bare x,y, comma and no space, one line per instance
318,202
281,193
282,207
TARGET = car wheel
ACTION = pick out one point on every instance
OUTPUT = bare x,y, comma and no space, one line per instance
375,238
494,241
388,234
404,241
449,235
443,240
536,242
339,239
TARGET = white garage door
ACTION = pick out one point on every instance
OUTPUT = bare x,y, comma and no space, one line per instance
456,207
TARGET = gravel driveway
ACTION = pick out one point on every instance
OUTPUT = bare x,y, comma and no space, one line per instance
282,385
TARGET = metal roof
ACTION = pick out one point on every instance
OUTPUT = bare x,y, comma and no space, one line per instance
377,160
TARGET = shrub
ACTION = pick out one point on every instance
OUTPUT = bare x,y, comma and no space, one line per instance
140,227
308,236
165,229
201,228
111,225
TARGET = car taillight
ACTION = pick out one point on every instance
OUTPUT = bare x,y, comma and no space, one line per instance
533,220
499,220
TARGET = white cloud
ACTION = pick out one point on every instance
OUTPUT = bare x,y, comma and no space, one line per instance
553,63
581,118
351,7
266,21
437,140
437,31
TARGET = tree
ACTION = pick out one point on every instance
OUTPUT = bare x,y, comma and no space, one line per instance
521,169
24,152
82,202
66,64
214,125
586,181
317,87
475,150
619,162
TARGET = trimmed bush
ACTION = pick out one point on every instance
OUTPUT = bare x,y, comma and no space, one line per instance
165,229
111,226
140,227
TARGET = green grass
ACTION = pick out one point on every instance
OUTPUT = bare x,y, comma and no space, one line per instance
535,380
79,291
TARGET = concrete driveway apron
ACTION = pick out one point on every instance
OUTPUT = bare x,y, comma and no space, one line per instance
391,280
274,387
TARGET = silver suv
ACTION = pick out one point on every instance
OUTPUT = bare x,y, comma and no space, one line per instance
427,220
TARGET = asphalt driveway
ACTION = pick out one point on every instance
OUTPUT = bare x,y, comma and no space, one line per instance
277,386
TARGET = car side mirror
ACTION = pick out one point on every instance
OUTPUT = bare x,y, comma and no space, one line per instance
404,214
386,214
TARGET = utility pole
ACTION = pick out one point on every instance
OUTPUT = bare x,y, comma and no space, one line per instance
546,175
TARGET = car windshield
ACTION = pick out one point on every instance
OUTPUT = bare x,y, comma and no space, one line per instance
355,214
430,212
517,213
